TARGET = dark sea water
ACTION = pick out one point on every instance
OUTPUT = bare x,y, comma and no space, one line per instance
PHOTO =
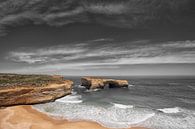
154,102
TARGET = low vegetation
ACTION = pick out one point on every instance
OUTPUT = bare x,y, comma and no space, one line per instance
9,80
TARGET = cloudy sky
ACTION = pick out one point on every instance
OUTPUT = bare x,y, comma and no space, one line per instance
98,37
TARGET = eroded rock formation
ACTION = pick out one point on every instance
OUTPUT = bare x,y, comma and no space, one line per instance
101,83
31,89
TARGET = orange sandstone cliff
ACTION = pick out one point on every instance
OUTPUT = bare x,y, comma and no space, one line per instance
18,89
101,83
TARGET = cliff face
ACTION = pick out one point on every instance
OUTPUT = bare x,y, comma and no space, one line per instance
101,83
30,90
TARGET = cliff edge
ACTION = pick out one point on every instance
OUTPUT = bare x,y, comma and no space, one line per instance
18,89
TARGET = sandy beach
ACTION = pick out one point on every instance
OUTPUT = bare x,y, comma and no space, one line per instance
25,117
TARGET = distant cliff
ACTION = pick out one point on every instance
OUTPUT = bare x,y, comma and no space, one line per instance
101,83
18,89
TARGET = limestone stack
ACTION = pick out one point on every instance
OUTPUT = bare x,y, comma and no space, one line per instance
101,83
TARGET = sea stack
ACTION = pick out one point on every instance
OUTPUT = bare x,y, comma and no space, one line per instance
18,89
101,83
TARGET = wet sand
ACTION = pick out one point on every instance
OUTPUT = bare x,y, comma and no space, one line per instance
25,117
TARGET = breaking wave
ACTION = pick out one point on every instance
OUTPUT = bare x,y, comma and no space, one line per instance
170,110
122,105
115,116
81,87
92,90
73,98
120,116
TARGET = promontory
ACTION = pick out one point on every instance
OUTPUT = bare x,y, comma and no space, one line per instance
16,89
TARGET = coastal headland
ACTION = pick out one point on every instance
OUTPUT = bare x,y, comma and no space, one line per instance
19,92
18,89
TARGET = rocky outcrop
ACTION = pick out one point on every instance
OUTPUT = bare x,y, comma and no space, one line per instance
101,83
32,89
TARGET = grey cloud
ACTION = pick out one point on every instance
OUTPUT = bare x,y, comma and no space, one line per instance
123,13
105,8
86,56
48,54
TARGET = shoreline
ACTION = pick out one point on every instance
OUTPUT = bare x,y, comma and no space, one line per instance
26,117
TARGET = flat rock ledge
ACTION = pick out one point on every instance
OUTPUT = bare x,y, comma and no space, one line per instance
101,83
32,89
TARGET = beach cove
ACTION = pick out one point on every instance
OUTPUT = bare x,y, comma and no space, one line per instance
25,117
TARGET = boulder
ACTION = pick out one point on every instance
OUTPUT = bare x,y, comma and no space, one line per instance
32,89
101,83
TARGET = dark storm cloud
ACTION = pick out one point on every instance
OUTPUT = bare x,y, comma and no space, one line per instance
118,13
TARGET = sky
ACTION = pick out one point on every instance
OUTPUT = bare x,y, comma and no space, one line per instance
98,37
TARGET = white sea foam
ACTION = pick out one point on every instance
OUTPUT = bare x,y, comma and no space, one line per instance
186,120
122,105
112,117
170,110
79,86
130,85
92,90
74,98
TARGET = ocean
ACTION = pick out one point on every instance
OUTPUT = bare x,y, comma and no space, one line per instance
153,102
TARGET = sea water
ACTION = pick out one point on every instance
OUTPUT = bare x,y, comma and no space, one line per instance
153,102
